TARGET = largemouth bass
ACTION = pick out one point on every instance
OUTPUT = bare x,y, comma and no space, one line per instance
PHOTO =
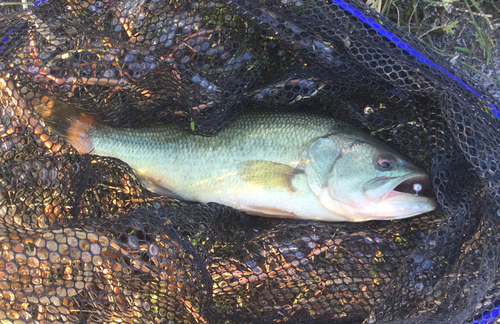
274,164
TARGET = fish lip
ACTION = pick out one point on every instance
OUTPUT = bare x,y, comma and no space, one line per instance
396,204
409,179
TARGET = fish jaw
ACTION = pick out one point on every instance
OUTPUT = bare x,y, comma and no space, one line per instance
391,198
401,205
381,201
394,207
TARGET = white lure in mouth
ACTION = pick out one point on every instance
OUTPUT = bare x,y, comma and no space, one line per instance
395,198
418,186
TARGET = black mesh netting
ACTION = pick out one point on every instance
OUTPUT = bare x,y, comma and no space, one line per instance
82,242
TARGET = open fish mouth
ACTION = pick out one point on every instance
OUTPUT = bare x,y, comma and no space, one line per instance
415,185
395,198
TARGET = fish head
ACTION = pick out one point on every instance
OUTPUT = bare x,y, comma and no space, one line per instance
366,180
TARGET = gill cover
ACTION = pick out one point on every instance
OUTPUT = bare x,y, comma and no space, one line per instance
318,163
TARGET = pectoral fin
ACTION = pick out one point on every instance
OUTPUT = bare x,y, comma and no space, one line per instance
268,174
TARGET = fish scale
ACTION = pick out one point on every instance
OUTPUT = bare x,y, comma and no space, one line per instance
252,137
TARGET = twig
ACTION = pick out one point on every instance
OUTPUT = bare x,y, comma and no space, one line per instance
430,30
397,9
26,5
16,4
474,13
495,6
411,16
387,7
481,14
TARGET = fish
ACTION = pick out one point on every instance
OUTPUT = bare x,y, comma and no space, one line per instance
265,163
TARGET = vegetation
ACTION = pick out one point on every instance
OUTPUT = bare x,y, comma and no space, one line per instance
465,31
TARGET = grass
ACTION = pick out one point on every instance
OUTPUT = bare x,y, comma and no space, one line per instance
9,7
16,4
462,30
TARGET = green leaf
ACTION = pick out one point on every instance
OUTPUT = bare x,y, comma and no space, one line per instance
463,49
449,27
435,28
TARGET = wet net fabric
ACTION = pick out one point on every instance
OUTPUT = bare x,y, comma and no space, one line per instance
82,242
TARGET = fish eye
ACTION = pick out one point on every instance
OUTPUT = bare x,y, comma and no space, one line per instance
385,162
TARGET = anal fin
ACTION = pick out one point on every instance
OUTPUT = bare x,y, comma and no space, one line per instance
153,186
268,212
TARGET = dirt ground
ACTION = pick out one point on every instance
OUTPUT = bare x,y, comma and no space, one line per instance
466,32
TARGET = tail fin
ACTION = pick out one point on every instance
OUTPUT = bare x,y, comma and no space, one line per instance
67,122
